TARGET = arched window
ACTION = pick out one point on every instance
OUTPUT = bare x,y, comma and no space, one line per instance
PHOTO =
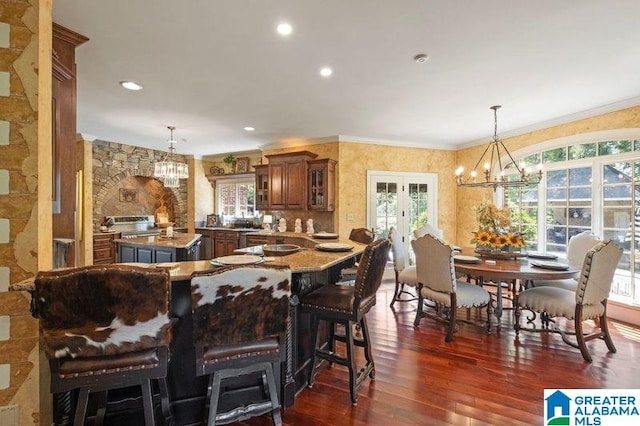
590,182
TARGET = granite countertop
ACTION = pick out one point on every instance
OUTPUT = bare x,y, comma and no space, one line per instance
224,228
306,260
179,241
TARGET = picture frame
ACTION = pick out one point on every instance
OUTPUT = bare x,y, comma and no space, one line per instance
128,195
213,220
242,165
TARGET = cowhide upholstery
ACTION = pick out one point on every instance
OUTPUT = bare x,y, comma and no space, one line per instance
103,310
235,305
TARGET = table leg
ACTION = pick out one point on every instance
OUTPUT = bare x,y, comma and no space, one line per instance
498,311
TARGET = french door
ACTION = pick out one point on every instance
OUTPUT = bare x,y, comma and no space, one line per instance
403,200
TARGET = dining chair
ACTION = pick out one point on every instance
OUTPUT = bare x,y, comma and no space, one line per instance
240,320
587,301
404,273
577,249
348,306
105,328
359,235
437,282
427,229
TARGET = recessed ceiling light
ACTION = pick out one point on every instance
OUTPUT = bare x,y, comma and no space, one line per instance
284,29
326,71
131,85
249,128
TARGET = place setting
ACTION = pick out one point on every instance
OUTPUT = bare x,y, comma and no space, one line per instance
334,247
237,259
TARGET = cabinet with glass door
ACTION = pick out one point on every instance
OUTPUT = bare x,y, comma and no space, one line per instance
321,184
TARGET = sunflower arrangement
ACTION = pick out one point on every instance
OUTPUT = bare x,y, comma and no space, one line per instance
494,224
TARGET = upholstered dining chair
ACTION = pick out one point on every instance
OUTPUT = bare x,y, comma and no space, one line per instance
405,274
240,319
577,249
587,301
437,282
104,328
347,305
427,229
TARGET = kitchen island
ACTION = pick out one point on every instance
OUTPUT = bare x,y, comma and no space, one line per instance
157,248
310,269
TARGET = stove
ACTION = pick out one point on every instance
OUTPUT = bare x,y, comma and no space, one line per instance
133,226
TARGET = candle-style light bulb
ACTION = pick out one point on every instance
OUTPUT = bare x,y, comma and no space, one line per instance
487,166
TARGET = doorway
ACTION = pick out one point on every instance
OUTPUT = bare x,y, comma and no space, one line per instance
403,200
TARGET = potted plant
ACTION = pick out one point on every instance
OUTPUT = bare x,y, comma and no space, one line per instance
230,161
494,233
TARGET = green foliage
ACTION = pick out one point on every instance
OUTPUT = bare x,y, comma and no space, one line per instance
228,159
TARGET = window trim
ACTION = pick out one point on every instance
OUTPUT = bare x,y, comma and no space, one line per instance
231,181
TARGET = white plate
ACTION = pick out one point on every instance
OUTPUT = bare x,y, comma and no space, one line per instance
466,259
538,255
325,235
334,247
237,259
556,266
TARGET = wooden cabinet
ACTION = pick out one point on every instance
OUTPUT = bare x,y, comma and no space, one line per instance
288,180
63,130
104,249
134,253
256,240
225,242
262,187
321,184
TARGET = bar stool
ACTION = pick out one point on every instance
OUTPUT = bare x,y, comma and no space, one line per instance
106,327
347,305
359,235
240,319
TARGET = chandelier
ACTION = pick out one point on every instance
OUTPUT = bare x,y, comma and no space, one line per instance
169,170
492,157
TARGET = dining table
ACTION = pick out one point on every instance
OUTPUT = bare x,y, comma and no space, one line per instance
520,272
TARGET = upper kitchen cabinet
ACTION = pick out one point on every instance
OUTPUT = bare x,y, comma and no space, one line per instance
262,186
63,109
288,180
321,184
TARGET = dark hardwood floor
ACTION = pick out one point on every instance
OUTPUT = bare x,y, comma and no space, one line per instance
476,379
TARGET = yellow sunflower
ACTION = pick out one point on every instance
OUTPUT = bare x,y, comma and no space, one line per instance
493,240
501,241
482,238
515,240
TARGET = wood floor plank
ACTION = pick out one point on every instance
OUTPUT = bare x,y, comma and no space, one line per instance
477,379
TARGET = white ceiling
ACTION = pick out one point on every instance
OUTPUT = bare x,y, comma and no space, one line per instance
211,67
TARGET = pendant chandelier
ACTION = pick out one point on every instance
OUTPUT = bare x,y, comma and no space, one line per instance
491,160
169,170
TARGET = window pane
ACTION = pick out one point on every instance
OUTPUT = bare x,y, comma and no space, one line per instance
613,147
554,155
580,176
556,194
556,178
585,150
532,160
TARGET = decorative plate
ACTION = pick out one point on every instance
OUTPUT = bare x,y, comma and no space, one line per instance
556,266
538,255
334,247
466,259
279,249
325,236
238,259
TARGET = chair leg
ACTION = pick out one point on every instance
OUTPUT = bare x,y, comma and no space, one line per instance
367,347
351,363
315,321
416,322
516,315
102,408
273,395
164,400
216,381
605,334
452,319
489,313
81,407
582,345
396,293
147,403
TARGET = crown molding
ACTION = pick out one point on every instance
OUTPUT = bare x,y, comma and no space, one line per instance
589,113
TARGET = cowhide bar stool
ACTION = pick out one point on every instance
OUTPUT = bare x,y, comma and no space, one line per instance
240,317
106,327
347,305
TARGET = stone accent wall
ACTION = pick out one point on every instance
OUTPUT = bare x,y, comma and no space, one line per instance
19,220
114,165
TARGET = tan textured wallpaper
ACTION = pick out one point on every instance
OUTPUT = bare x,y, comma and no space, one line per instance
204,191
356,158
